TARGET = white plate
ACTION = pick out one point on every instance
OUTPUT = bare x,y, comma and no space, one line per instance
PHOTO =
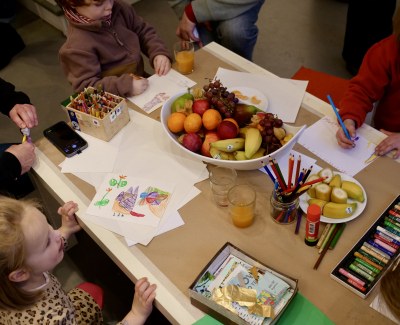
360,205
250,96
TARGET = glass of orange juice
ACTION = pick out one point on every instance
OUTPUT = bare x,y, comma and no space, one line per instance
184,56
242,203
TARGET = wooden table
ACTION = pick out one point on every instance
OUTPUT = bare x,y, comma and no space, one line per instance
174,259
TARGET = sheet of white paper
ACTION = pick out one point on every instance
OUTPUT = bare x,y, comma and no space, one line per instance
284,97
306,162
160,89
320,139
131,199
93,158
381,307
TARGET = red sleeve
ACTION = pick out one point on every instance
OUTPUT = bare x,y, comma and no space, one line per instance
190,14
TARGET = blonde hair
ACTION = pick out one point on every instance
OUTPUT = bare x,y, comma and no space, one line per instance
390,290
12,253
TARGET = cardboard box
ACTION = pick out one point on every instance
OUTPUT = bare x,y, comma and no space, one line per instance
217,311
369,237
104,127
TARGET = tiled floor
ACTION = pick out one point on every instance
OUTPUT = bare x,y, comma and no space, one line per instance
292,33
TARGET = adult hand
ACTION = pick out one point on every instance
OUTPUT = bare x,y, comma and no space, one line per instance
392,142
185,29
24,116
25,153
161,65
341,137
142,304
69,224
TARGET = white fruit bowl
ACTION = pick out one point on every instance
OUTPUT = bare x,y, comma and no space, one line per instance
235,164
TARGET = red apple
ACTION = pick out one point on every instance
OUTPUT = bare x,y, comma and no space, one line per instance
200,106
227,130
211,136
192,142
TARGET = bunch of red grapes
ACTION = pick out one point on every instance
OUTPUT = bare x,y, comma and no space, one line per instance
268,122
220,99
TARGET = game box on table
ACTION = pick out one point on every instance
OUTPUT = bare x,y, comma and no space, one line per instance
97,113
233,269
373,255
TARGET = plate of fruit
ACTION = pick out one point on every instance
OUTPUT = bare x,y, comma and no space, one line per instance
341,197
210,124
250,96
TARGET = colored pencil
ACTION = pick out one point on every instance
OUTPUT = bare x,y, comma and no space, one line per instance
324,234
280,173
339,118
318,180
268,172
339,233
328,238
278,178
321,256
299,216
290,172
297,169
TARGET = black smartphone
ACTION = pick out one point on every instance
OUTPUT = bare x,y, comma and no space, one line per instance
65,139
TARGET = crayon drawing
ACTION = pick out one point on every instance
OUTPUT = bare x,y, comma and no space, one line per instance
129,199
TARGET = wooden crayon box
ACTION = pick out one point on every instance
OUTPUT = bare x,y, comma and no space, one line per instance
102,123
222,266
373,255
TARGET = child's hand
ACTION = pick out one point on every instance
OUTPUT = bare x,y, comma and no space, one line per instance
142,304
139,85
392,142
341,137
161,65
69,224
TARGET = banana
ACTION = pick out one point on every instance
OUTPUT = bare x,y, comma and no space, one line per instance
318,202
354,191
328,173
336,181
260,153
252,142
339,210
311,190
338,195
323,191
243,131
239,155
228,145
218,154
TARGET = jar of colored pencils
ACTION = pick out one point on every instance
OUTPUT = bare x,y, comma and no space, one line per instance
283,213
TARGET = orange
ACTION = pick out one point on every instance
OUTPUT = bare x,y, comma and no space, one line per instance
192,123
230,119
175,122
211,119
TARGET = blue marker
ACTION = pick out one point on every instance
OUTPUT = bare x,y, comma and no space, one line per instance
339,118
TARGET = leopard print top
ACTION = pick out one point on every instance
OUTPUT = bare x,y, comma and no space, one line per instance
56,307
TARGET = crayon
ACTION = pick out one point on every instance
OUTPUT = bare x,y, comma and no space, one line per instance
374,254
365,269
394,213
367,265
377,250
388,233
361,272
386,239
392,227
379,247
393,221
385,246
370,257
351,276
352,283
368,260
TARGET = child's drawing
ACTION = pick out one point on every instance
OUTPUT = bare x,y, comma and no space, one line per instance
130,199
157,99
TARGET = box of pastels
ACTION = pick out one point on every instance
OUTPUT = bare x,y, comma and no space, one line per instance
97,112
372,256
236,288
